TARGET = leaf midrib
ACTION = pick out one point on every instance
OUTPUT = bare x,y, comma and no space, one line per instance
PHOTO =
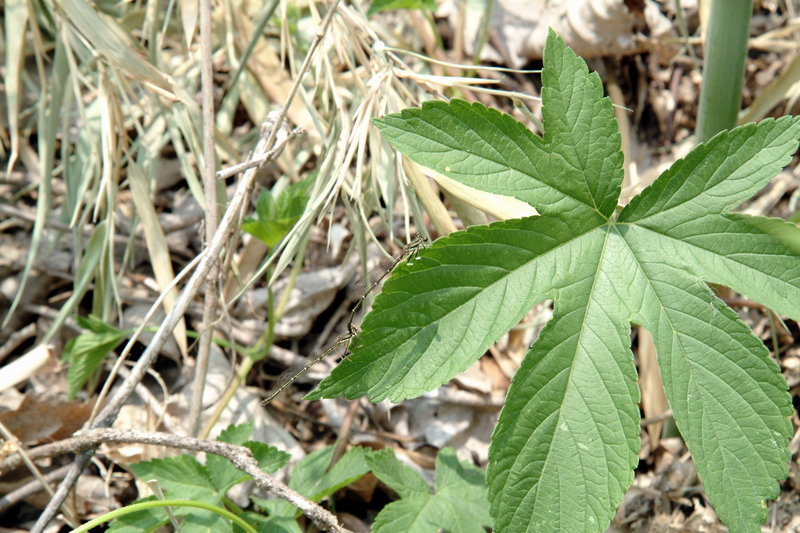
569,381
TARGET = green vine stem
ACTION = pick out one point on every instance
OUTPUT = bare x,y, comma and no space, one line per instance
117,513
725,51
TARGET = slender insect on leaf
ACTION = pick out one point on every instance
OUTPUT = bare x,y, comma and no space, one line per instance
567,440
409,253
293,373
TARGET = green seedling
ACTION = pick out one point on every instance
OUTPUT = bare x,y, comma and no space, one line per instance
196,492
186,478
458,504
86,352
275,217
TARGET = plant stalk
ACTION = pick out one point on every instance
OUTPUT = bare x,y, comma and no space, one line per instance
723,70
210,192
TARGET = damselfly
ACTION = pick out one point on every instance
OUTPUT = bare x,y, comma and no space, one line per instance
293,375
410,254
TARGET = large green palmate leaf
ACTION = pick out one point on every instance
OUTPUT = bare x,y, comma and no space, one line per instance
567,440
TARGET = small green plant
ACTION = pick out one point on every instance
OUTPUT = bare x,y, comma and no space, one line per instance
276,217
459,503
198,502
184,477
566,443
85,353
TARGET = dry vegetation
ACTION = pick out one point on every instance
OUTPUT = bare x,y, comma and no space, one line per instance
104,210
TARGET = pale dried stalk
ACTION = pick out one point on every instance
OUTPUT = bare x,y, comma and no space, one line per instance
210,191
30,488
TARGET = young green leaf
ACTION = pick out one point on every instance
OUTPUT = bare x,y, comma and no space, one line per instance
221,471
459,503
139,521
271,524
315,478
186,478
387,5
179,477
85,353
276,217
401,478
270,459
567,440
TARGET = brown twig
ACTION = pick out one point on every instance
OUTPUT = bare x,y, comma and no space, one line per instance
241,457
344,434
258,161
135,337
25,458
16,339
666,415
210,192
30,488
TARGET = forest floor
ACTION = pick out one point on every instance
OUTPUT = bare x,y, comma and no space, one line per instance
341,261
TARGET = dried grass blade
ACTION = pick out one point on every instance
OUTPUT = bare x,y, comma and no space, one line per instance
156,246
189,17
110,40
16,23
49,111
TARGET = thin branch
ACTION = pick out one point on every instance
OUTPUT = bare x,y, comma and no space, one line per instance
136,334
16,339
25,458
210,190
109,412
258,161
30,488
666,415
241,457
